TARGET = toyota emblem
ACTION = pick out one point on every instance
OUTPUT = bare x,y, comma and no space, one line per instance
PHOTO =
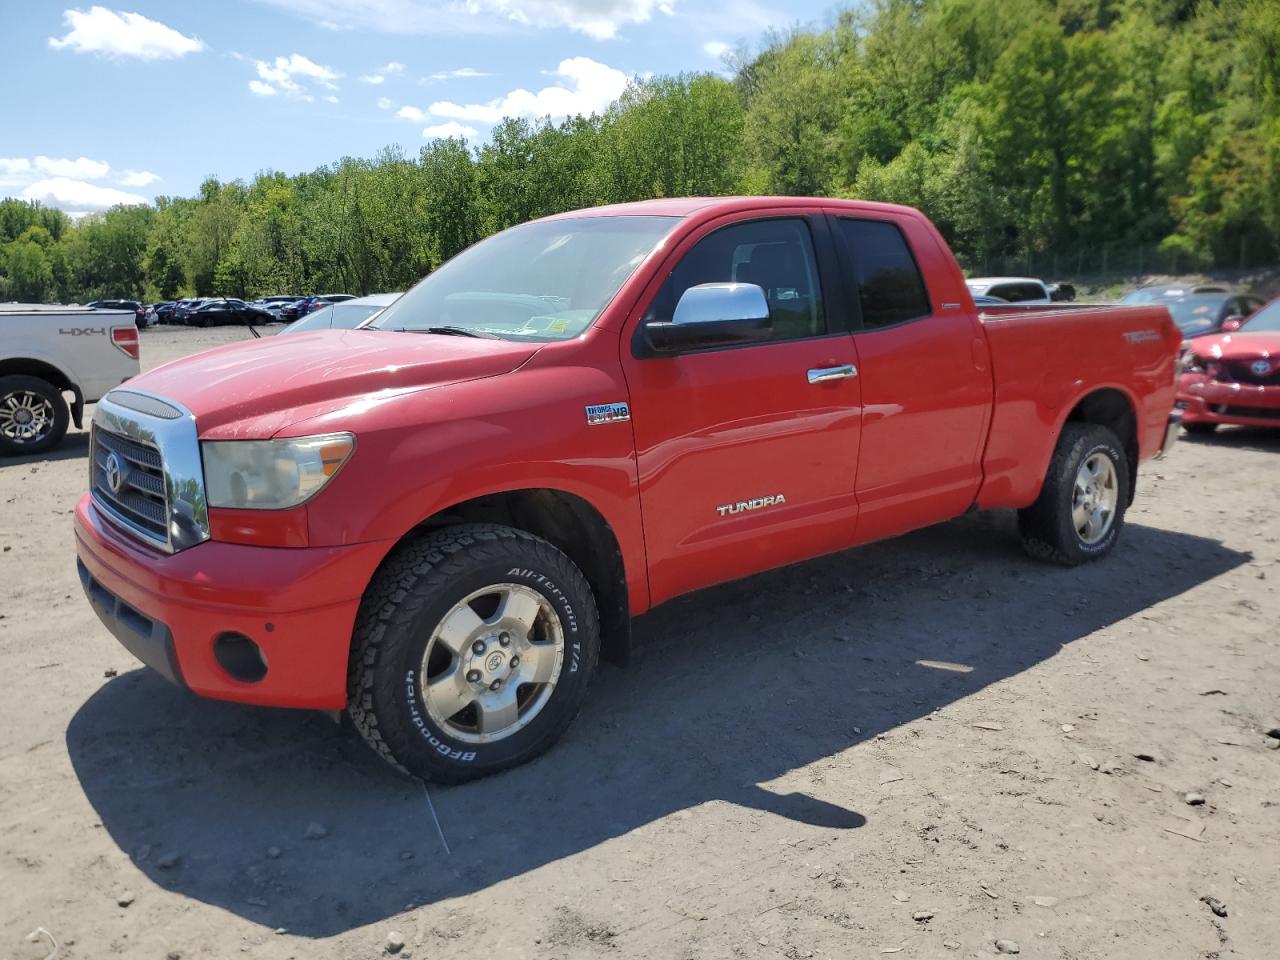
1260,368
116,474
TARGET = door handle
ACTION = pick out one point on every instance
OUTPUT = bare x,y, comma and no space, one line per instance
826,374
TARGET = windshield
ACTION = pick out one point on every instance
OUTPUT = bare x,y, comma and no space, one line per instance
1195,314
1266,320
540,281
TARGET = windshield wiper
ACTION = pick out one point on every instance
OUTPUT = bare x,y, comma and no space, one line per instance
448,332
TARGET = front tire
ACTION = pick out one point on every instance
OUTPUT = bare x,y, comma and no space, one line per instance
1080,510
473,651
33,415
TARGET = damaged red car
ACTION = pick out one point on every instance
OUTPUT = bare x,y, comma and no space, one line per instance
1233,377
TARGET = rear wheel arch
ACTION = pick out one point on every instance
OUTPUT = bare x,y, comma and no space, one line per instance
1114,409
31,367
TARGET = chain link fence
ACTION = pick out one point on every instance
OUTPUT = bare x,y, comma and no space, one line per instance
1109,264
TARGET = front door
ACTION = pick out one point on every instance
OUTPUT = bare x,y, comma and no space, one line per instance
747,454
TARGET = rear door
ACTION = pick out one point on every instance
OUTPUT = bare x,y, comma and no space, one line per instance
925,377
747,454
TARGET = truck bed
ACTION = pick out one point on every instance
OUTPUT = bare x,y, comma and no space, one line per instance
1041,354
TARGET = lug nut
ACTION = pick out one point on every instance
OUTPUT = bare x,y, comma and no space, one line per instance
478,647
515,662
495,685
504,639
473,675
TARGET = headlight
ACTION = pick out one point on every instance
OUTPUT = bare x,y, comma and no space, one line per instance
271,474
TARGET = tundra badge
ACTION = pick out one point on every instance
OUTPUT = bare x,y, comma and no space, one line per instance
598,413
758,503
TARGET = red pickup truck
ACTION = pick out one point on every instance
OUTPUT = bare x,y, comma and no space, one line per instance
441,520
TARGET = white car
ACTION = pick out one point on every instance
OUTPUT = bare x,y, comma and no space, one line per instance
48,352
343,315
1010,289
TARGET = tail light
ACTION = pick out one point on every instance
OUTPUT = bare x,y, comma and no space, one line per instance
126,340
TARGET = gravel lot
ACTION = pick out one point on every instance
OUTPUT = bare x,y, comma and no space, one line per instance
919,748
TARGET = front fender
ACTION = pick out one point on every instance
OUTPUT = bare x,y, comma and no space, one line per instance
424,453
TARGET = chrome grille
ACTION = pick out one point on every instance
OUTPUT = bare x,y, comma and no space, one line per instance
158,491
139,498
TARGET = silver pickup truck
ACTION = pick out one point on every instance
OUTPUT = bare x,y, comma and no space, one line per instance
48,353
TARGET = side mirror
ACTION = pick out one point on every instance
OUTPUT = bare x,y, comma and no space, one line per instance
1232,323
712,315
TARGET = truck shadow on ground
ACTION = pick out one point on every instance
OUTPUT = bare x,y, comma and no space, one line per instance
74,446
736,686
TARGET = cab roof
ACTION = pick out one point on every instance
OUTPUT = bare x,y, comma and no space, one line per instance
687,206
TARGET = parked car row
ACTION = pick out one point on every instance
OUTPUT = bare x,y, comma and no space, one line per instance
216,311
132,306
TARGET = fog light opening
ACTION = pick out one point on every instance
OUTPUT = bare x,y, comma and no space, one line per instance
240,657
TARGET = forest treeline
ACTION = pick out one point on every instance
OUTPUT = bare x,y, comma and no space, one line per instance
1020,126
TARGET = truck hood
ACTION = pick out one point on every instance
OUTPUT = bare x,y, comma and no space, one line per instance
254,390
1241,345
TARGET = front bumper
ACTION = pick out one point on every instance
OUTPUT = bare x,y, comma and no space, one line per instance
1211,401
297,605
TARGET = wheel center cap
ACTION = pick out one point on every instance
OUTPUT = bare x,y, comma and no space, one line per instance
23,417
494,661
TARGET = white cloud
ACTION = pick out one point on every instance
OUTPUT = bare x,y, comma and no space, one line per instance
115,33
451,128
600,19
290,75
17,171
587,87
331,99
716,48
64,182
384,103
67,194
411,113
136,178
385,71
462,73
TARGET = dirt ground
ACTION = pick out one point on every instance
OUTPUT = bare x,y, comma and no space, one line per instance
919,748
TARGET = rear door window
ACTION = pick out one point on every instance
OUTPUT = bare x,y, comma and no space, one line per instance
890,287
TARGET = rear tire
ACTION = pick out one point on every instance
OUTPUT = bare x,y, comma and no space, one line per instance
1200,428
33,415
452,613
1080,510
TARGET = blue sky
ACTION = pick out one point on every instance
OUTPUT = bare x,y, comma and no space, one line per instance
108,104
